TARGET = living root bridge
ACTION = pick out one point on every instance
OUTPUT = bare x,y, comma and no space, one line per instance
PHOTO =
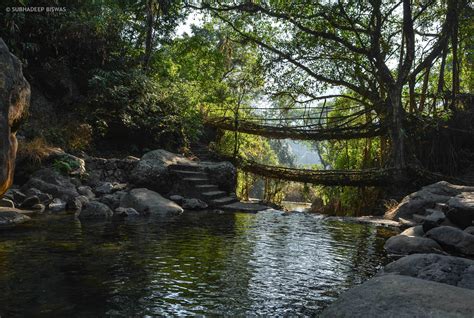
297,133
382,177
360,178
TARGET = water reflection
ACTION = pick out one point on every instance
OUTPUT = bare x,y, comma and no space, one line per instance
195,264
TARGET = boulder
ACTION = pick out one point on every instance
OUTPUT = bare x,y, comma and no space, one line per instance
95,209
402,297
152,169
145,201
15,195
177,198
223,174
414,231
453,239
14,102
38,208
33,191
194,204
113,200
104,188
43,197
57,205
29,202
405,245
450,270
6,203
126,212
86,191
52,182
426,198
469,230
432,219
461,210
75,204
11,217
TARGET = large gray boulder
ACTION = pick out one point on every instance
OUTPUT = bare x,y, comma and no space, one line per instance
6,203
152,169
10,217
461,210
414,231
450,270
223,173
145,201
469,230
397,296
14,102
52,182
453,239
113,200
94,210
126,212
426,198
193,204
405,245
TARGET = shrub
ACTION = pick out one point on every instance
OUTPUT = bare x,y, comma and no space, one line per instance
34,151
65,165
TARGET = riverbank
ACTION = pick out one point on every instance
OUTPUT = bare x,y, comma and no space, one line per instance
158,183
435,275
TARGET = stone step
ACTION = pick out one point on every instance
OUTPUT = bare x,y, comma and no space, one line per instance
207,187
191,174
197,181
224,201
244,207
212,195
181,167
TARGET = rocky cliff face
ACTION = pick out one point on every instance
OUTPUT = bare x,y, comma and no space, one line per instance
14,102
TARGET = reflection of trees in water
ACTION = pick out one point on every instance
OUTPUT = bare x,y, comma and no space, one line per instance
362,246
195,263
110,266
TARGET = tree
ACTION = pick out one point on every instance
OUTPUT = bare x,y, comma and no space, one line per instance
372,48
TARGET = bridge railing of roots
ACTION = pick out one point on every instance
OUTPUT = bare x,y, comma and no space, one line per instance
305,123
299,123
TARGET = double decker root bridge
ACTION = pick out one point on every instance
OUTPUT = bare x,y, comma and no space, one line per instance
315,124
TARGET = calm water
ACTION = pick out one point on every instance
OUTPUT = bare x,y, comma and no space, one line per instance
267,264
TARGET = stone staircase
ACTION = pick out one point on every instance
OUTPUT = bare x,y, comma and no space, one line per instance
195,183
198,185
202,152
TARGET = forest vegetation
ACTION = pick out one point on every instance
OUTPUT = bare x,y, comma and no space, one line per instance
118,77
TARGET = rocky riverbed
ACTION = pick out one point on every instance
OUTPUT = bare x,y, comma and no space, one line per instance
435,275
158,183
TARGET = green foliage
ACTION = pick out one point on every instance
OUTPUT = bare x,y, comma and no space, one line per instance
135,105
65,165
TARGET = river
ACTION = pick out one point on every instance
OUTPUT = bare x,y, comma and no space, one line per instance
199,263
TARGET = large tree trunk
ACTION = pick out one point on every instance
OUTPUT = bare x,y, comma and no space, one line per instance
149,34
455,79
397,135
